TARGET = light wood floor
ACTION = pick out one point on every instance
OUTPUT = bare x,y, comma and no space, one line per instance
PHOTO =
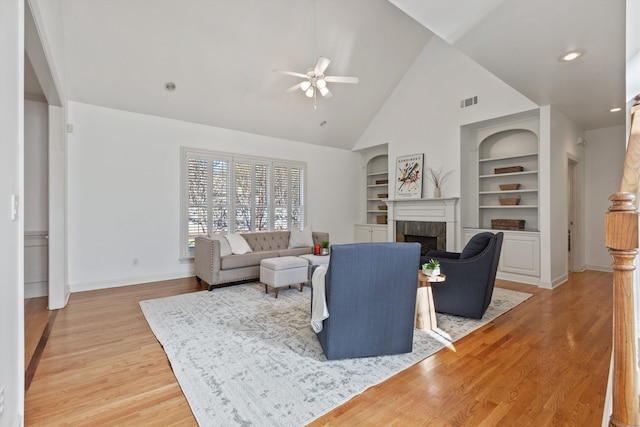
544,363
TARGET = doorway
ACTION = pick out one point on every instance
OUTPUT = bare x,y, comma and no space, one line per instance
573,213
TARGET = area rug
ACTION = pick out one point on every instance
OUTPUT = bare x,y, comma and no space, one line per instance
243,357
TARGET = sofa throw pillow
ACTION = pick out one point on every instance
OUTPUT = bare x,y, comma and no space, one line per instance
476,245
301,238
238,245
225,248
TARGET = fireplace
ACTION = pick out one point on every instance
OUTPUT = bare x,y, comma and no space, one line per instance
430,235
425,218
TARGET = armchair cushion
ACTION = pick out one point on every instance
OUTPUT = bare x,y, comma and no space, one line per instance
476,245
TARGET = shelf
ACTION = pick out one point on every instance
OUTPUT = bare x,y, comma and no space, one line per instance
376,200
378,212
524,230
377,185
507,191
377,173
519,156
501,175
509,207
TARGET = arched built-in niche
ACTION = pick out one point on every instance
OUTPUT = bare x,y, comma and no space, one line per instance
508,180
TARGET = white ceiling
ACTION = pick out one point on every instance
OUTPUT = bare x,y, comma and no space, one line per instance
221,55
521,41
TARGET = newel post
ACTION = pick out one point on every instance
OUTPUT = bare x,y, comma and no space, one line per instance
621,225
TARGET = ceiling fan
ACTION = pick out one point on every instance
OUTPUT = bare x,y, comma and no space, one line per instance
316,81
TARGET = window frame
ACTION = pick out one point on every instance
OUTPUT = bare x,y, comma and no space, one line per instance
186,153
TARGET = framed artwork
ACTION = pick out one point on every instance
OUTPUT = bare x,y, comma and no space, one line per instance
409,171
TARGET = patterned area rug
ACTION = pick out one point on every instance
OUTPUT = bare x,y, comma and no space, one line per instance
243,357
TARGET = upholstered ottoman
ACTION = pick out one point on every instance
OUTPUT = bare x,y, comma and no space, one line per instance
283,271
315,261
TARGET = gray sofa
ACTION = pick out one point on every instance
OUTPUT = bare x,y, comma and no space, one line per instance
214,269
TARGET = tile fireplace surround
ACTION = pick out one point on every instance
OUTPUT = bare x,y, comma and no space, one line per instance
424,210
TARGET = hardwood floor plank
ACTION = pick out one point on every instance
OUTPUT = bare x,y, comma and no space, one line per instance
543,363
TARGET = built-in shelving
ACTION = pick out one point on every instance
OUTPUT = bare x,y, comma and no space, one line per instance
503,149
377,170
505,142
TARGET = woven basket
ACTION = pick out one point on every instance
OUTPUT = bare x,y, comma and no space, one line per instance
507,224
509,201
383,195
509,169
505,187
381,219
382,181
382,208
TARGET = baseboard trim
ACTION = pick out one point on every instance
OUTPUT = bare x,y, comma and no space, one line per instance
36,289
518,278
116,283
607,268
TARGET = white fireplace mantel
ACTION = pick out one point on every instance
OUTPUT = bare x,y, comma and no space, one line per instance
426,210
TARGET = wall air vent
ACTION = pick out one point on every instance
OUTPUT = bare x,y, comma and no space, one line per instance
469,102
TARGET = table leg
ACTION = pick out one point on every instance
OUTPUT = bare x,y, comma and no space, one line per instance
425,311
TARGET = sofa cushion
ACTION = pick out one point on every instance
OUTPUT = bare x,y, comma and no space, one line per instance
225,249
245,260
267,240
294,252
476,245
301,238
238,245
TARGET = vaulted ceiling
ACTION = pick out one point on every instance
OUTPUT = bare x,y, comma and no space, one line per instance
221,55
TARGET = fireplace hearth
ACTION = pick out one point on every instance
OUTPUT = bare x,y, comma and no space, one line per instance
430,235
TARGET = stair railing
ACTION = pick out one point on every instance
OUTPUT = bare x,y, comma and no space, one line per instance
621,237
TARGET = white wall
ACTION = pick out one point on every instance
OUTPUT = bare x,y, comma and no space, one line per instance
36,191
423,114
604,159
124,191
36,166
564,134
11,230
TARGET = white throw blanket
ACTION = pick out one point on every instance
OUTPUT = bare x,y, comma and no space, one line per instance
319,310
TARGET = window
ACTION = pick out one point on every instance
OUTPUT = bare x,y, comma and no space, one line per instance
225,193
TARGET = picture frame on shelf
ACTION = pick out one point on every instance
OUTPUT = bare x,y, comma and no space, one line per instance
409,172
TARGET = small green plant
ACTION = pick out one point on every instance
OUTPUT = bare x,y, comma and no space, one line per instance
431,265
324,244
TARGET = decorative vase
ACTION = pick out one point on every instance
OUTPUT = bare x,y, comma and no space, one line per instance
436,193
324,251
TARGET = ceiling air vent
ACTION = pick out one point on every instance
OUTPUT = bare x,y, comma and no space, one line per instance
469,102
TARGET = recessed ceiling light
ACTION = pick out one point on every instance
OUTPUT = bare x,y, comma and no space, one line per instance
615,109
570,56
170,86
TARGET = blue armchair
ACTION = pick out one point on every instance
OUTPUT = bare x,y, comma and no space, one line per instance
370,290
471,275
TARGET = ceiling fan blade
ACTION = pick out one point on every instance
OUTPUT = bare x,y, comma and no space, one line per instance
291,73
324,91
293,88
322,65
342,79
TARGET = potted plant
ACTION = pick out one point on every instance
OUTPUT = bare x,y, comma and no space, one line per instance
431,268
324,247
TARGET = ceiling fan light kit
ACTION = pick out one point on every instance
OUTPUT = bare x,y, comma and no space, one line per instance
316,81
